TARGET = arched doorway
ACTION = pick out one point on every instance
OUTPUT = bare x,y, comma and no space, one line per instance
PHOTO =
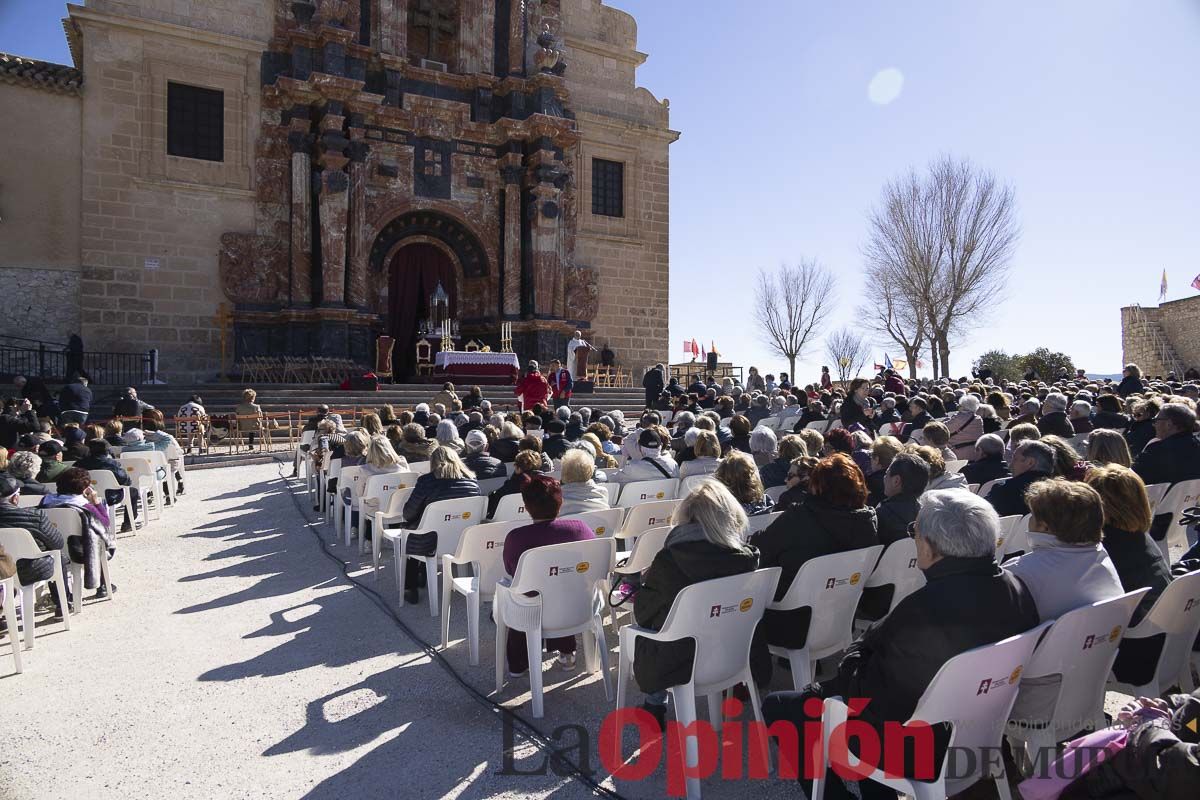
413,275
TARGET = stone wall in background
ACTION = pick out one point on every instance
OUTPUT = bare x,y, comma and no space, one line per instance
1177,321
40,303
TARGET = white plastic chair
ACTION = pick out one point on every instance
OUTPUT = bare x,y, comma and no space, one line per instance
645,516
566,581
1181,496
603,523
1007,525
987,487
142,475
897,568
104,481
449,518
831,586
420,467
638,561
489,485
482,549
975,691
1156,492
775,492
7,588
331,472
376,496
720,616
647,491
69,523
19,543
688,485
973,488
614,490
158,461
511,507
1078,650
1018,538
29,500
352,479
393,513
955,466
760,522
298,459
1175,613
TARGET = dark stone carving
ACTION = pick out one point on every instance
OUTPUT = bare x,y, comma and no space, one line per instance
336,181
341,14
549,55
358,151
300,142
550,209
272,65
253,268
583,293
389,170
432,170
454,234
333,60
475,182
303,11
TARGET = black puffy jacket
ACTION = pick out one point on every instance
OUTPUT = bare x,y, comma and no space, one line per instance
430,489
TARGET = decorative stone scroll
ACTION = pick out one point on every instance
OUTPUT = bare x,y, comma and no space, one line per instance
583,294
253,269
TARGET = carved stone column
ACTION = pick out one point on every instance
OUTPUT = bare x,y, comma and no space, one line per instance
334,208
393,27
300,142
476,36
516,38
547,270
511,290
357,232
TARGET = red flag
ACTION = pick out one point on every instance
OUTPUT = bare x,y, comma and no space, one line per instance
713,347
695,348
1196,283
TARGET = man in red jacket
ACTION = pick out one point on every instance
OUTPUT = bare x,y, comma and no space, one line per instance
560,384
533,388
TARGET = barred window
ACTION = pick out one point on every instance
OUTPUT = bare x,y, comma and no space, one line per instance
608,188
195,122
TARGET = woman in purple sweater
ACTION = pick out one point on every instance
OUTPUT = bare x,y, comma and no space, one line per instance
543,499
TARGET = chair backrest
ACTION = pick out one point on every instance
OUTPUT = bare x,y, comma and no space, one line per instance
307,437
831,586
613,489
1018,537
973,488
450,518
511,506
775,492
381,487
19,543
644,550
139,468
645,516
955,466
760,522
566,576
975,691
489,485
335,468
28,500
688,485
834,425
102,479
720,615
352,478
419,467
605,522
1081,646
1177,614
1182,495
68,520
646,491
987,487
483,546
897,568
1156,492
1006,531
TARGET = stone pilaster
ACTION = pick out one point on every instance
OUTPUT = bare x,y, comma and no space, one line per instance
393,28
300,142
357,245
334,208
476,36
511,290
516,38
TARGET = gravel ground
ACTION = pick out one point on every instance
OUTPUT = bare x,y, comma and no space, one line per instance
238,661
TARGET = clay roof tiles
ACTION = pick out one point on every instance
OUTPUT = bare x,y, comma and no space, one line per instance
40,74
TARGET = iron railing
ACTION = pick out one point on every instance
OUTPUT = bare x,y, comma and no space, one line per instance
49,361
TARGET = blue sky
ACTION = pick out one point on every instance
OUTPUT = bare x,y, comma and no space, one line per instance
1089,108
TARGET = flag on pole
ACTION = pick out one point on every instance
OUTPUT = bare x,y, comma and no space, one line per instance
878,367
1162,289
899,365
887,362
1196,283
695,349
702,353
713,347
687,346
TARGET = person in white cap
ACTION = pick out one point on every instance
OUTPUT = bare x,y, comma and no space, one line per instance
477,459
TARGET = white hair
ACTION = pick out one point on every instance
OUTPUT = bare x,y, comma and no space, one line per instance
718,513
957,523
509,430
1056,401
447,433
990,444
969,403
421,408
563,413
762,440
1081,408
690,435
986,411
685,420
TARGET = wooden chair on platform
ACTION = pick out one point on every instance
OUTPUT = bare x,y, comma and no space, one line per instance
424,357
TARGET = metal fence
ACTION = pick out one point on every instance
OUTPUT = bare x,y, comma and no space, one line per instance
50,361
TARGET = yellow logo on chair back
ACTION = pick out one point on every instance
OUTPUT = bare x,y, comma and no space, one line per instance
466,515
855,578
746,604
582,567
600,531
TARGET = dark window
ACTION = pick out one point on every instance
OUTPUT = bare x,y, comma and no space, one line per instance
432,31
608,188
195,122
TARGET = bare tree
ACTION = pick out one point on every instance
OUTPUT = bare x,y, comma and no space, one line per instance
789,304
894,315
848,350
944,242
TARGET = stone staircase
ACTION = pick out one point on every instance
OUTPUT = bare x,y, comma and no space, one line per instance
1153,342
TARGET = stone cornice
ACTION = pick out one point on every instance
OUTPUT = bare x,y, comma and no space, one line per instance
604,50
167,29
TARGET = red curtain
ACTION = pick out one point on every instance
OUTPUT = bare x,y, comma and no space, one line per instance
415,273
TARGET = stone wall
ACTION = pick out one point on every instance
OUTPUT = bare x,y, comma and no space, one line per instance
1178,321
621,121
253,19
40,303
151,222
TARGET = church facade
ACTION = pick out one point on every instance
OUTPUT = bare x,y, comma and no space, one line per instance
308,176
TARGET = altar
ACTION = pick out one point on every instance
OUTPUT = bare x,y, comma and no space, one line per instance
464,365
